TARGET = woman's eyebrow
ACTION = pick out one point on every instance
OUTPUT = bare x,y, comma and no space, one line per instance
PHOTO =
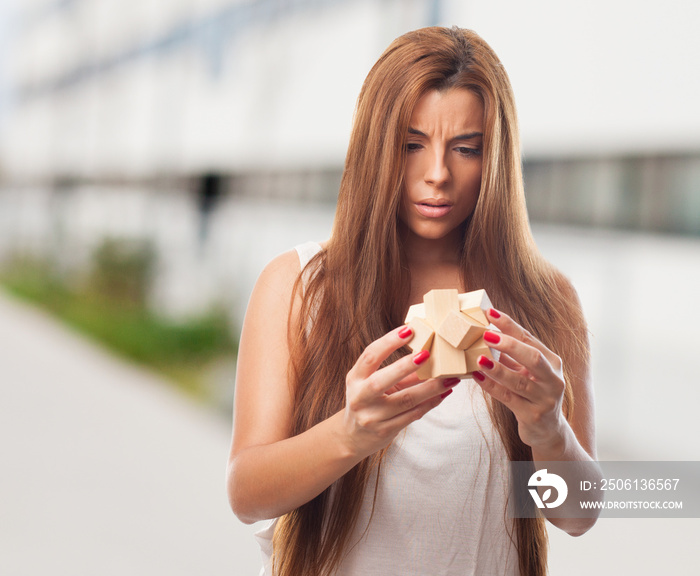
467,136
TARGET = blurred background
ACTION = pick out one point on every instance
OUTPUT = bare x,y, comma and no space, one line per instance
155,154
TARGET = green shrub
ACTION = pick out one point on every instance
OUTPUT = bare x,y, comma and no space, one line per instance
111,308
122,271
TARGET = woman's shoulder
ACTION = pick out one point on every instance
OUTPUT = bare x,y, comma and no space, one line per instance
270,300
281,272
285,265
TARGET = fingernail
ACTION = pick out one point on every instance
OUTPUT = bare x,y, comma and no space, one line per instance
485,362
421,357
494,313
405,332
492,337
478,375
446,394
447,383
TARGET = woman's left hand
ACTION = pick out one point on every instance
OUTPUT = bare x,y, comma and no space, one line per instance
529,379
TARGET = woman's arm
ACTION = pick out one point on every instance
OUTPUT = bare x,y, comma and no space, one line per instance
270,472
529,380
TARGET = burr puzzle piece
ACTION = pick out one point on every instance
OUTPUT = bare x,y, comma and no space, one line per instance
422,334
451,326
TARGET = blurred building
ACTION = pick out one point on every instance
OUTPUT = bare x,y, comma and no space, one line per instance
134,90
217,128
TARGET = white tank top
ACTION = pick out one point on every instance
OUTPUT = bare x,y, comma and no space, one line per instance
441,502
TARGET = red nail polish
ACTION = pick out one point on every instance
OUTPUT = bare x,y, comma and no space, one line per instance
478,375
405,332
485,362
494,313
447,383
421,357
446,394
492,337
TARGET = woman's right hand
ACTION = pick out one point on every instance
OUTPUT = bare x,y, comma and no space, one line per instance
380,402
272,471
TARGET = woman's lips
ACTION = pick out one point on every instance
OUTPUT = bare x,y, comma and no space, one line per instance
433,210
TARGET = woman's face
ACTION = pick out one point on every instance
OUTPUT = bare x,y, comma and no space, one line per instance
443,167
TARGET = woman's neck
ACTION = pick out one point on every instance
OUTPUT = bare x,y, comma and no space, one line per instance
434,264
422,252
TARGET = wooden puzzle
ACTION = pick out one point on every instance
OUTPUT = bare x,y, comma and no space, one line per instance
451,326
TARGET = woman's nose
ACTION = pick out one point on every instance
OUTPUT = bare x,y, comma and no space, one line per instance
437,172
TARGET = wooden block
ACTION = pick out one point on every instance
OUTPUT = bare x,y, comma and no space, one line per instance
444,361
476,304
460,330
423,335
439,303
454,338
475,299
415,311
479,348
426,369
448,361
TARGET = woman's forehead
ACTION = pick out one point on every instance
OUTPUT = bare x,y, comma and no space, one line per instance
453,112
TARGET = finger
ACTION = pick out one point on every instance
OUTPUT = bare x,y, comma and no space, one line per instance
510,327
378,351
513,401
414,401
403,419
518,382
530,359
410,380
385,379
407,400
508,362
413,379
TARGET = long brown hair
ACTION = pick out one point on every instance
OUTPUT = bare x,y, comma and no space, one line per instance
360,289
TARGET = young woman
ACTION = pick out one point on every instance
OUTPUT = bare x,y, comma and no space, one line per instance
364,468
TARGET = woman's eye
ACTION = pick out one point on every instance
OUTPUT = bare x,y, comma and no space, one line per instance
413,146
464,151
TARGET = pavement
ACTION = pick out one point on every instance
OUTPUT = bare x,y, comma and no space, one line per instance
108,470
